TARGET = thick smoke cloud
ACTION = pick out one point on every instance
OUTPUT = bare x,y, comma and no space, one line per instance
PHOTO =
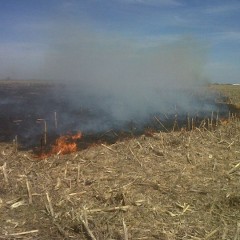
121,78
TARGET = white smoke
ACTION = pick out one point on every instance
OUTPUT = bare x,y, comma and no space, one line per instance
121,77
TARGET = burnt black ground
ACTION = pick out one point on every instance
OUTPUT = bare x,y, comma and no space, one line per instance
26,105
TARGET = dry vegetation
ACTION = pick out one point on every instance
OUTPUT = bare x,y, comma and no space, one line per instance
174,185
231,94
178,185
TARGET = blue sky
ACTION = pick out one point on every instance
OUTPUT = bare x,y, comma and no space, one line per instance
29,29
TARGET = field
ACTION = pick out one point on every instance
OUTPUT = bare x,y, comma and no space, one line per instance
232,91
165,185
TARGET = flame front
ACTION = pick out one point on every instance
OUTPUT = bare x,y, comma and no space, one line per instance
63,145
66,144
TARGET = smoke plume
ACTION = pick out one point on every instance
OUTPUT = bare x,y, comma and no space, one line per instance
118,79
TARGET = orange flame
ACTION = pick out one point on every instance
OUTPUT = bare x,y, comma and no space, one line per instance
224,122
63,145
66,144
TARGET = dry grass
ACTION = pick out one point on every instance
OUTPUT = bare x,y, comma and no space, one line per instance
231,93
176,185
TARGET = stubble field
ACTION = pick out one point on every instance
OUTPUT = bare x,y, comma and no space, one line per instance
182,184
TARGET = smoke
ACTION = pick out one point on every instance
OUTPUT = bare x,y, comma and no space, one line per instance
121,79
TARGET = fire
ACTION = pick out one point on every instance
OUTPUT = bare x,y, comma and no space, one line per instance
63,145
66,144
224,122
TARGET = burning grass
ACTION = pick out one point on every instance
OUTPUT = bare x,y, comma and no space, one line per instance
175,185
39,112
63,145
168,185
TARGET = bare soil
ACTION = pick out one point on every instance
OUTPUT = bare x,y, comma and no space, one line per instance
160,185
